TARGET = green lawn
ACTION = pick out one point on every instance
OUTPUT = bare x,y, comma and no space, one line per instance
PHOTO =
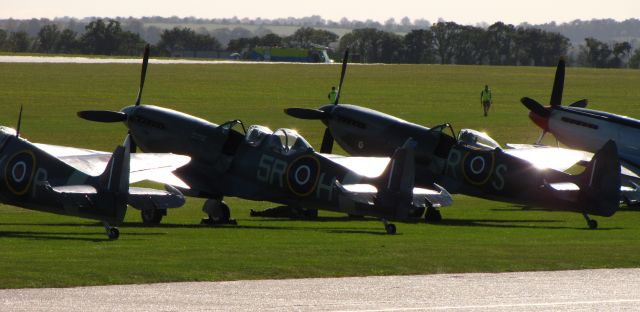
45,250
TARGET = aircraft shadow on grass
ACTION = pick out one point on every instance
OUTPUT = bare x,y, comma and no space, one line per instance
64,236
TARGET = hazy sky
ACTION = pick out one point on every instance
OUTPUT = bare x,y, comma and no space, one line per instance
460,11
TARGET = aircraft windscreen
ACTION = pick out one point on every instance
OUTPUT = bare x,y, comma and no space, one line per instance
477,139
291,140
256,134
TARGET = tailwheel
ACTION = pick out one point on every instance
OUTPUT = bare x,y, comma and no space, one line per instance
593,224
390,228
113,233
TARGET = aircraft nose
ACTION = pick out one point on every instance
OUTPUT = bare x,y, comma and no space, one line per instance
128,110
542,122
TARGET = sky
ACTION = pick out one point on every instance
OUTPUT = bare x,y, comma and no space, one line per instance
468,12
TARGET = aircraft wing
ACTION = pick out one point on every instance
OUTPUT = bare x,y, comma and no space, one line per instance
366,194
543,156
371,167
155,167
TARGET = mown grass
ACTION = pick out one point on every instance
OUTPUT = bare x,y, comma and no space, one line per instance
44,250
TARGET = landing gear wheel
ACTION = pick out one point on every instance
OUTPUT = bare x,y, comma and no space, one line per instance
218,212
432,215
113,233
593,224
390,228
151,216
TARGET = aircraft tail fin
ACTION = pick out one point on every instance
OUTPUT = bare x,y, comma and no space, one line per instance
396,183
600,182
113,183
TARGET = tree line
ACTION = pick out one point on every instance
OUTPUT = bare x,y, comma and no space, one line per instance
443,42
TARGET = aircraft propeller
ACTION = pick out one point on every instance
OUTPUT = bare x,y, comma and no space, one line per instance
539,113
316,114
113,116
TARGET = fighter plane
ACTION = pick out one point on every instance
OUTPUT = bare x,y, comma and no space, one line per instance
277,166
473,163
58,179
585,129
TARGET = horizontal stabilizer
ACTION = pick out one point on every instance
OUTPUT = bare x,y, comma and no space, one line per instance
146,198
366,194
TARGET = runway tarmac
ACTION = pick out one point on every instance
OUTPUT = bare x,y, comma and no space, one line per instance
584,290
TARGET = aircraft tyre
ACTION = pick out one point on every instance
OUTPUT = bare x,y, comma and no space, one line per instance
390,228
113,233
151,216
432,215
218,212
593,224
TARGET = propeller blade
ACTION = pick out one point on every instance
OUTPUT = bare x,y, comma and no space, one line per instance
306,113
535,107
342,73
582,103
143,74
327,142
558,85
102,115
19,122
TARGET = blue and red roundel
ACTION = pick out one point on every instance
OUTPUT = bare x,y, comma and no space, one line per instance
302,175
477,167
18,172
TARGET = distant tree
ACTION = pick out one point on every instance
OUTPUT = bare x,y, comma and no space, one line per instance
500,41
634,60
621,51
48,39
594,53
185,39
305,36
68,42
242,45
19,42
4,40
445,35
418,47
271,40
101,37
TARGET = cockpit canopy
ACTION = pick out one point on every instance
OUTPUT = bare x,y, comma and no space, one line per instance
477,139
282,140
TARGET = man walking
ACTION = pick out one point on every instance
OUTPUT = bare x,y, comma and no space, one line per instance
333,94
485,99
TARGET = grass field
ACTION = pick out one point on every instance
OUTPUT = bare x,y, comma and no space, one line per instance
44,250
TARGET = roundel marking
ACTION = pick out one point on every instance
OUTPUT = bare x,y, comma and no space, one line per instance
302,175
19,171
477,167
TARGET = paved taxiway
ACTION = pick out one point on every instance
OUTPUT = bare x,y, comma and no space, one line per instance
586,290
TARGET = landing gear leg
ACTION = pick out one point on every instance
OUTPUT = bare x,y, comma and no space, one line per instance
389,227
112,232
432,215
593,224
218,212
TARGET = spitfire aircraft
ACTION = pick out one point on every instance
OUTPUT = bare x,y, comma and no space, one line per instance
277,166
473,163
58,179
585,129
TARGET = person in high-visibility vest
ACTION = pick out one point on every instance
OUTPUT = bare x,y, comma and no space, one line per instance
333,94
485,99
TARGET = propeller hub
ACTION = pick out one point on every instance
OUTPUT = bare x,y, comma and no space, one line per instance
540,121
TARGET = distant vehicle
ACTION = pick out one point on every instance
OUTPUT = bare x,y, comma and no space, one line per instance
60,180
315,54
